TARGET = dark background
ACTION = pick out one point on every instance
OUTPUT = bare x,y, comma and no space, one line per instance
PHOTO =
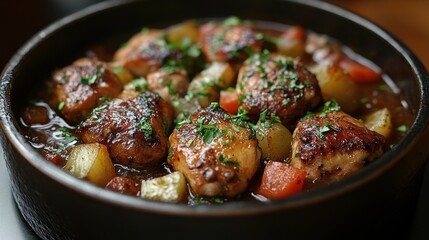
21,19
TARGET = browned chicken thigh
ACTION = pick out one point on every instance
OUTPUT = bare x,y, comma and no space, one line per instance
145,52
279,84
168,83
230,41
76,89
333,145
135,131
217,156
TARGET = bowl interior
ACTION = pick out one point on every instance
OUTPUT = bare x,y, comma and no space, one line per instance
66,40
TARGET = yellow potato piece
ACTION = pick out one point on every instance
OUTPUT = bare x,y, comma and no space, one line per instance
275,141
168,188
336,84
207,84
379,121
91,162
289,47
179,32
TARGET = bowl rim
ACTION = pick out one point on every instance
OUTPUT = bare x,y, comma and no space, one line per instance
18,141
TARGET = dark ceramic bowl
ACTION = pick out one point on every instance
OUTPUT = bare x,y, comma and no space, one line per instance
376,202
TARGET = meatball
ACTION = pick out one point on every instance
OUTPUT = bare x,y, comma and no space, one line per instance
230,41
333,145
76,89
217,156
169,83
279,84
134,130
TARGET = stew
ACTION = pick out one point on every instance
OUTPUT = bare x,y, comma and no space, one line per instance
216,111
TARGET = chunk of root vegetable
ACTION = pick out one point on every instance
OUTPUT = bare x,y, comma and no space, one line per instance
168,188
274,141
207,84
91,162
179,32
336,84
379,121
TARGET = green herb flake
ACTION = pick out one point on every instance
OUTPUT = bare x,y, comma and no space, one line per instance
224,160
331,106
403,128
207,131
140,84
61,106
382,87
231,21
88,80
145,127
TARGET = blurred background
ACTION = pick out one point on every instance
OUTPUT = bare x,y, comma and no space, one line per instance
21,19
407,20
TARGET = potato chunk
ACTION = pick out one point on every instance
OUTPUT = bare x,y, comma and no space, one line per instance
206,85
379,122
336,84
184,30
274,141
91,162
168,188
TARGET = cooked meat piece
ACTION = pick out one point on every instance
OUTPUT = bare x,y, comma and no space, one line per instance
217,156
333,145
229,41
76,89
145,52
135,131
149,50
168,83
124,185
279,84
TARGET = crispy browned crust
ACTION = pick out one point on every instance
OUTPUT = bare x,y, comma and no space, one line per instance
79,98
222,167
286,89
134,130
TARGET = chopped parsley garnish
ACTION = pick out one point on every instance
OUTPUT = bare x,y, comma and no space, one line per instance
331,106
67,135
145,127
325,128
140,84
61,106
241,118
104,99
267,122
207,131
224,160
403,128
88,80
231,21
382,87
118,69
145,30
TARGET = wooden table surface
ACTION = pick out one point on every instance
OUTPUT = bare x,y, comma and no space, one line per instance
406,20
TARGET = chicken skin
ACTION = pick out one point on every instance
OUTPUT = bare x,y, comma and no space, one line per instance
135,131
145,52
169,84
279,84
217,156
334,145
76,89
230,41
